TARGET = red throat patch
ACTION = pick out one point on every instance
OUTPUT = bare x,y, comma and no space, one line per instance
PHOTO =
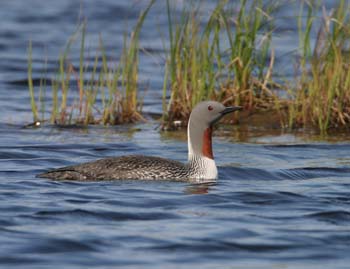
207,149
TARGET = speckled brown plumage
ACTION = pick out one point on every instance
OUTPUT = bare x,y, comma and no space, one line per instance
126,167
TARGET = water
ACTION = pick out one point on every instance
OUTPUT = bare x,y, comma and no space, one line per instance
281,201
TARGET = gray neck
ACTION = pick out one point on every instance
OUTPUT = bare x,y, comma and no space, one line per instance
201,166
195,139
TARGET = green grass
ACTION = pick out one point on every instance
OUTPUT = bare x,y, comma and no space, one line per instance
30,84
220,61
116,87
322,96
226,56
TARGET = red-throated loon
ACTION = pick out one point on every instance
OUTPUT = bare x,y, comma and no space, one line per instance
200,167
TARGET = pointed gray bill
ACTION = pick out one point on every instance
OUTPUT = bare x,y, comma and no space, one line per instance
230,109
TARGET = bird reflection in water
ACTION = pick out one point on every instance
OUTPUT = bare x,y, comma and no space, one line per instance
202,188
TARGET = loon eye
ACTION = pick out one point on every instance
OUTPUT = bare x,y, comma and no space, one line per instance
210,108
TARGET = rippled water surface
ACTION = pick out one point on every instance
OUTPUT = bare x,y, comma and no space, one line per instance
281,201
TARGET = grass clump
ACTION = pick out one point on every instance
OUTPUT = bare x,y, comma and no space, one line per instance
322,96
225,55
215,62
104,93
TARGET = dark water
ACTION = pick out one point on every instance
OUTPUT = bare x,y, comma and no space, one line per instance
281,201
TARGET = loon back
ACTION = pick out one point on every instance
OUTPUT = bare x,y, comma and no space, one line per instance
125,167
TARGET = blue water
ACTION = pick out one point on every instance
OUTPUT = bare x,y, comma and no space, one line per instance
281,201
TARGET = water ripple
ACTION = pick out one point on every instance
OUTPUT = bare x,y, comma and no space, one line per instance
105,215
335,217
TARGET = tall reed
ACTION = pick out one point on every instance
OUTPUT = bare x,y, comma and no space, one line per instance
215,61
249,35
322,96
224,56
93,105
30,83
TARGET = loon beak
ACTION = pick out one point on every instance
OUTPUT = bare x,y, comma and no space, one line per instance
227,110
230,109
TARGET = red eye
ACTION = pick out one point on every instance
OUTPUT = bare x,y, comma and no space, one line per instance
210,108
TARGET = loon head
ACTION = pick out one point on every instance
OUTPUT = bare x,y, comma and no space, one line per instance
200,127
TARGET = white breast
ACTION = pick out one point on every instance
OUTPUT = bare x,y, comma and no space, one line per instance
203,168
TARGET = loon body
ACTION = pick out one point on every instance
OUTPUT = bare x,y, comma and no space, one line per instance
200,167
